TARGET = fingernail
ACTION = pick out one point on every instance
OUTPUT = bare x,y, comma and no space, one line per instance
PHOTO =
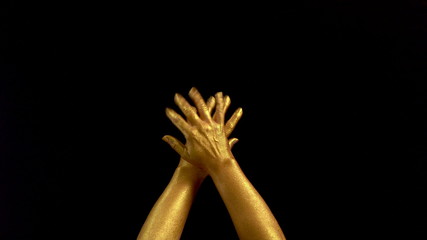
168,110
192,90
227,98
178,98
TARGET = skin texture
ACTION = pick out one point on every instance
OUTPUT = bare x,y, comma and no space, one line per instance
208,150
167,218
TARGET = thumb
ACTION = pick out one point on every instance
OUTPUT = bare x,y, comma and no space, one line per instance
176,145
232,141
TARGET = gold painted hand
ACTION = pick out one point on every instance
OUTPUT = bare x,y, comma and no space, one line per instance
207,143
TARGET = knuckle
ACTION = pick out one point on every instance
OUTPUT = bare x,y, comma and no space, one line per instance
194,131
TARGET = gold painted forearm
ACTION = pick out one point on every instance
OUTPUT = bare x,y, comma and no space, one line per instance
249,212
167,218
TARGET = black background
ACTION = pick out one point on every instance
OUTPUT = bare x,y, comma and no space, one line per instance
332,135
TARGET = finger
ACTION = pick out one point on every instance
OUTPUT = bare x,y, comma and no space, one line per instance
232,141
232,122
219,110
176,145
200,104
178,121
211,104
188,110
227,102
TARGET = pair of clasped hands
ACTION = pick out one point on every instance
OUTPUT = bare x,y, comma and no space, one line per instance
207,151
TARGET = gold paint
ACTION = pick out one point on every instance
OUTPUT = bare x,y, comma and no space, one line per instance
207,151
